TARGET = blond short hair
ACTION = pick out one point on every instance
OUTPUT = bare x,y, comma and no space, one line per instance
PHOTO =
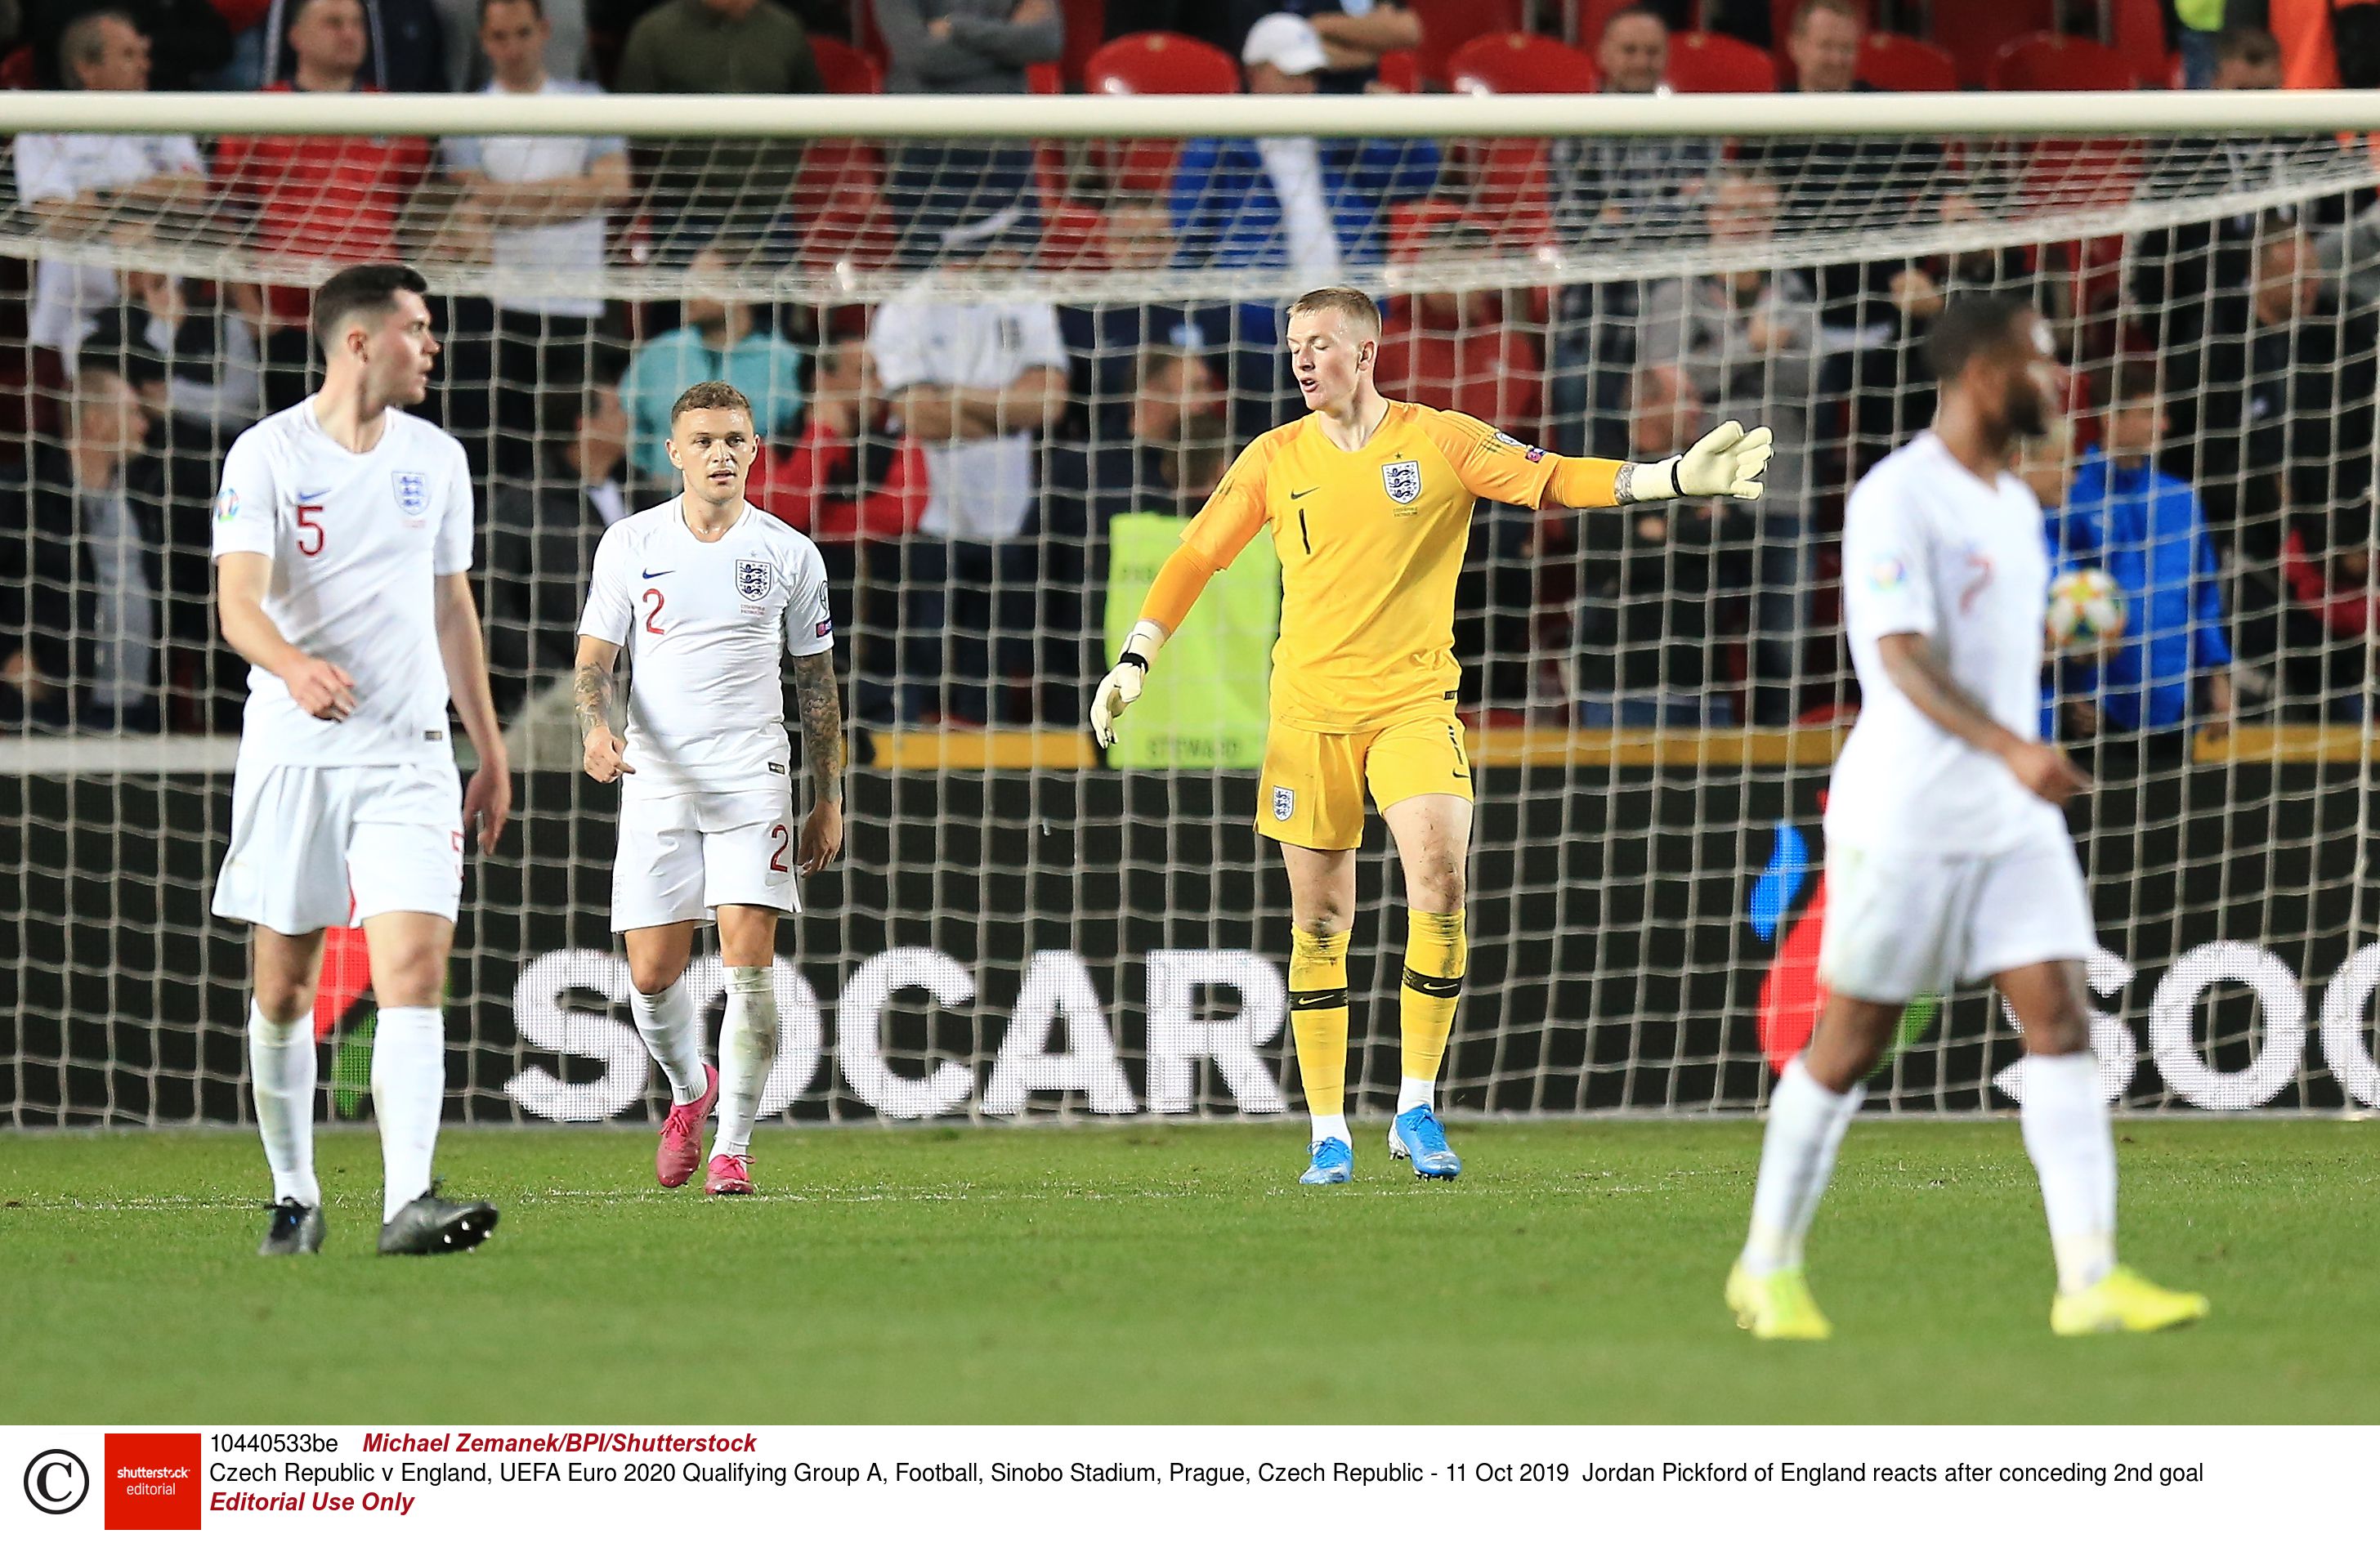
710,393
1352,304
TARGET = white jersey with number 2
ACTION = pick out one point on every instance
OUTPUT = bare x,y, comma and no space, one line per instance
357,543
703,623
1930,548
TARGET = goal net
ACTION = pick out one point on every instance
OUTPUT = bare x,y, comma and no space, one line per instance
997,365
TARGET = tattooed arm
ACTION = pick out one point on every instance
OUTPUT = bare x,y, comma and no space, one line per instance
594,686
822,708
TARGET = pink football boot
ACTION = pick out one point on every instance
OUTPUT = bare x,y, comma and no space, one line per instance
680,1149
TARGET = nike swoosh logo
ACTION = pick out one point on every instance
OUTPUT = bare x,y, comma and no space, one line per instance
1306,493
310,497
659,573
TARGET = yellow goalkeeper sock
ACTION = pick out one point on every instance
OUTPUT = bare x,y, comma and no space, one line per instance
1434,955
1317,1020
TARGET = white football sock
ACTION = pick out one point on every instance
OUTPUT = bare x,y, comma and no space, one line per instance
666,1019
1329,1125
1416,1093
281,1072
748,1050
2074,1150
1806,1122
408,1078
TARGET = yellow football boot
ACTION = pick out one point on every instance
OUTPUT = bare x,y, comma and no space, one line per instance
1776,1305
2124,1303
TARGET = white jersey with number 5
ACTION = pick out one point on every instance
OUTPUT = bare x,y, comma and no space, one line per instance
1930,548
703,623
357,543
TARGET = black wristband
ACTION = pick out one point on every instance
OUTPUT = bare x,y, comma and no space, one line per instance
1128,657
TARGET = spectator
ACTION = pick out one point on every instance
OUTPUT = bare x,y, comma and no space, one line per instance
722,340
542,538
187,40
1450,346
1315,208
89,188
1652,579
706,189
405,45
974,382
2180,273
90,598
2144,527
857,487
2327,564
541,204
2273,413
961,47
1749,342
191,358
1353,34
310,198
469,67
1844,182
1106,341
2197,28
1613,188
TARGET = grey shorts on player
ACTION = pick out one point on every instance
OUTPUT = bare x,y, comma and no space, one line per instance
684,856
316,846
1902,926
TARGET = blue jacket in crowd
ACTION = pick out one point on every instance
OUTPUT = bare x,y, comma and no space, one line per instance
1227,214
2147,530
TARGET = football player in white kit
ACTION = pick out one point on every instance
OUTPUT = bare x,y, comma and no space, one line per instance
704,591
1948,855
343,554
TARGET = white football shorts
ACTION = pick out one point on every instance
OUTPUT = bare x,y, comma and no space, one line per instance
316,846
683,857
1903,926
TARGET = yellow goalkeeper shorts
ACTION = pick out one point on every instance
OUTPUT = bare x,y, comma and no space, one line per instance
1311,793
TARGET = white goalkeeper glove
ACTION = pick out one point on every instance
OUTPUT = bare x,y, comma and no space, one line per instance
1122,686
1725,463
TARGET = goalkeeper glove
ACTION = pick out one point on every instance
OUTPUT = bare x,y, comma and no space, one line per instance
1725,463
1122,686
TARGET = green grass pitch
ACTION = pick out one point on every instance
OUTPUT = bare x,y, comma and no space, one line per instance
1177,1274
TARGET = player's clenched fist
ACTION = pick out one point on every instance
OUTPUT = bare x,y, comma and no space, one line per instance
604,759
1118,691
321,688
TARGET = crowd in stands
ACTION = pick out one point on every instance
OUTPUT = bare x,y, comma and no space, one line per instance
959,448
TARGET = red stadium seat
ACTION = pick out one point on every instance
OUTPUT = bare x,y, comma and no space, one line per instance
1044,80
1892,63
1710,62
1087,24
1447,25
2139,36
1972,33
846,70
1401,71
2051,62
1498,64
1160,64
17,71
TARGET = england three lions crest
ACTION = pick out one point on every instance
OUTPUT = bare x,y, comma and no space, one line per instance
1402,478
412,494
752,579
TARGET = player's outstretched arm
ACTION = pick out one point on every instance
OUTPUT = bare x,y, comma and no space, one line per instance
1176,589
820,703
317,686
592,687
1909,658
488,797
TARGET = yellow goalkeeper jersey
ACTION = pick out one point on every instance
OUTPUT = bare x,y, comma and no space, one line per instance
1371,541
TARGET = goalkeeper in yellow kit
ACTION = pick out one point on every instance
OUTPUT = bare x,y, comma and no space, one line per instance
1370,504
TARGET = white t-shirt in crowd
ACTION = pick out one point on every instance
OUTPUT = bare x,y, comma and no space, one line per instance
357,543
703,622
977,489
566,246
1931,549
66,295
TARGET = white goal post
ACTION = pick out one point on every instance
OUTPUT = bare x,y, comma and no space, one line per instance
1023,928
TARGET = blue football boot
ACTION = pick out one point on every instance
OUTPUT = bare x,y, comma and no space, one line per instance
1334,1163
1417,1136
